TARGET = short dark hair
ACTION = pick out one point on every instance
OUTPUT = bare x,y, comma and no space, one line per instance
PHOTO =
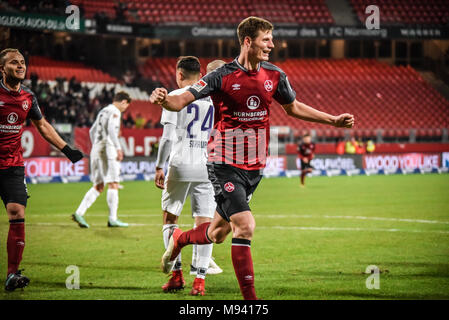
4,52
250,26
122,95
190,66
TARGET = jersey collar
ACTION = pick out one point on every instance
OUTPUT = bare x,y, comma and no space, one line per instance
244,69
10,91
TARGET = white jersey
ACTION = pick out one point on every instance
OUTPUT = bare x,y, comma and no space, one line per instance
106,128
194,123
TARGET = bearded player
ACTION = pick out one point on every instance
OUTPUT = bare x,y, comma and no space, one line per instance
243,92
18,103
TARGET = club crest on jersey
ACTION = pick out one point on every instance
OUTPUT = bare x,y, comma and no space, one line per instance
200,85
253,102
229,186
25,105
12,118
268,85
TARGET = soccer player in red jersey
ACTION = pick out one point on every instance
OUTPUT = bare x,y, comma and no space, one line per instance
17,103
243,92
306,150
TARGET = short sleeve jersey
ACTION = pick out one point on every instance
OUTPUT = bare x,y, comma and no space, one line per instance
306,150
242,100
105,130
15,108
188,156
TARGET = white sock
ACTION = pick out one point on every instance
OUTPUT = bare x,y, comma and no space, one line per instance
112,199
166,228
204,255
88,200
194,251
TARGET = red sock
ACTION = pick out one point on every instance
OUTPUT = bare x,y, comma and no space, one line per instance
243,267
15,244
303,175
197,235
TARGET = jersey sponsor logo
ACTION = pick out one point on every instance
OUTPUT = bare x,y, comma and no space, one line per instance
253,102
229,186
268,85
200,85
25,105
235,86
12,117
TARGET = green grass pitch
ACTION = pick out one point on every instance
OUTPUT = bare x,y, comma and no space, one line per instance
311,243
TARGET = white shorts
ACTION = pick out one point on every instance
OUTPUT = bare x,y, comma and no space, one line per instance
201,194
104,167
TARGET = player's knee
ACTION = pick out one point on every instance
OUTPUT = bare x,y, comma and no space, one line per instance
99,187
15,211
245,231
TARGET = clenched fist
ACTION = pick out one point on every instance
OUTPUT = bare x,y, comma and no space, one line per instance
158,95
344,120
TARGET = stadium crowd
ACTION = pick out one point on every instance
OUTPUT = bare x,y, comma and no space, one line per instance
73,104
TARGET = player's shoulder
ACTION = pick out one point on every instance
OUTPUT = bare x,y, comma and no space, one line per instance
27,90
178,91
269,66
224,70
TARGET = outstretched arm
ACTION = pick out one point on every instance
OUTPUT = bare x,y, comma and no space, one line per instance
49,133
172,103
302,111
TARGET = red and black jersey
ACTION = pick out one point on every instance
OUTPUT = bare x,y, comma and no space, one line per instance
15,108
242,100
306,150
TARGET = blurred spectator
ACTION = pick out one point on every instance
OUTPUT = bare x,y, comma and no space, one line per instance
340,147
129,78
140,121
370,147
128,122
360,147
149,124
351,146
120,11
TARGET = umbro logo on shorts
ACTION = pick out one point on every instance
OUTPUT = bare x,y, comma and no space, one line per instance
229,186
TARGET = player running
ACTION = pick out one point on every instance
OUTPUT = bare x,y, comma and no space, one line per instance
105,157
18,103
306,151
184,140
243,92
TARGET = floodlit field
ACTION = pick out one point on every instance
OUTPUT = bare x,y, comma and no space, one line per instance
312,243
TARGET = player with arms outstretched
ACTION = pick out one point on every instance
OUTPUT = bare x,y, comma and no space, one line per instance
18,103
243,92
184,141
105,158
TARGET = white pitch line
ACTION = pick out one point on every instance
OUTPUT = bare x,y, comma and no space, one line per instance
351,229
274,216
309,216
262,227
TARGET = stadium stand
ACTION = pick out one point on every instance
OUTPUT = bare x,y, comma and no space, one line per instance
49,69
71,92
393,99
422,12
211,12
